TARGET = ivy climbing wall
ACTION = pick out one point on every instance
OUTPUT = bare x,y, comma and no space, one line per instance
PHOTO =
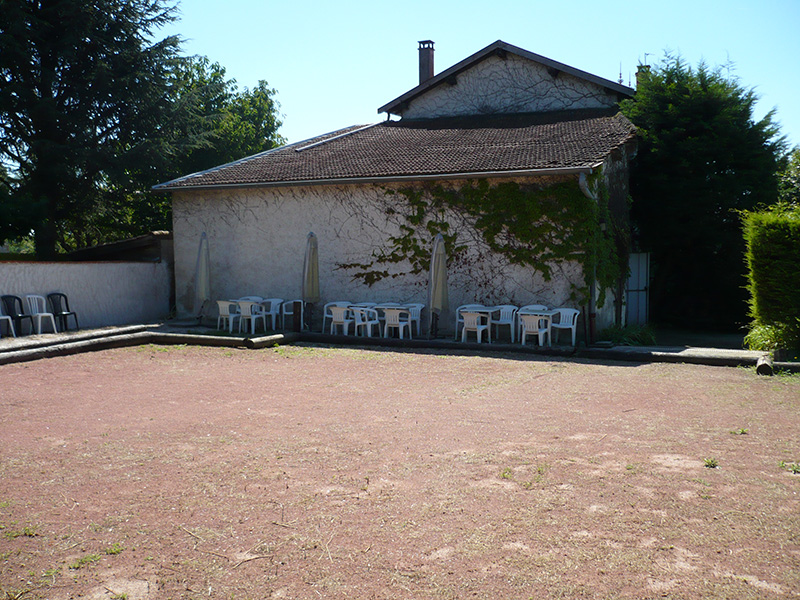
374,242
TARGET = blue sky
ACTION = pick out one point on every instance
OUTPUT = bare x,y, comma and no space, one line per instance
334,63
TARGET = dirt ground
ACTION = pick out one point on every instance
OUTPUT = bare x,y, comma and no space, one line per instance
302,472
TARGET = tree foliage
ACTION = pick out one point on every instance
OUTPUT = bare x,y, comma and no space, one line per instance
211,123
93,112
82,91
789,179
702,158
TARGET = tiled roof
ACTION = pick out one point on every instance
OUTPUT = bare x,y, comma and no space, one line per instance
449,147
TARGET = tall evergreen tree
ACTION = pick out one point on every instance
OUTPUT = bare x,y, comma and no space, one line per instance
789,177
210,122
702,158
82,89
93,112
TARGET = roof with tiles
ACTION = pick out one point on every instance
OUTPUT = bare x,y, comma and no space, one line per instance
446,147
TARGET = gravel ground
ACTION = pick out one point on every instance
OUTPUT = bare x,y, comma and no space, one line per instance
319,472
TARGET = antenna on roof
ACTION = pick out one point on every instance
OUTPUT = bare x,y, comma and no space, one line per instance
620,74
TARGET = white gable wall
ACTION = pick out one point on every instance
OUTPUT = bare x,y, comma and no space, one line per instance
508,85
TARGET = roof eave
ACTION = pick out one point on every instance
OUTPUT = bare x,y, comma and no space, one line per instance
391,178
298,146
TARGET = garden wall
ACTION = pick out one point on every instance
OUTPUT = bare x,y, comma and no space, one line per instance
102,293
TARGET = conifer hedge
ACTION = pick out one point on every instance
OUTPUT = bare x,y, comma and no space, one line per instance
773,260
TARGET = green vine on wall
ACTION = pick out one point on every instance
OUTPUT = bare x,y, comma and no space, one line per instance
530,225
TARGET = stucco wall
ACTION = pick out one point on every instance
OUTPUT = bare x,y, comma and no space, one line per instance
257,239
113,293
510,85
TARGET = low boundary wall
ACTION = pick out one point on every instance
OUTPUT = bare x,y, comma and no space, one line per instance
102,293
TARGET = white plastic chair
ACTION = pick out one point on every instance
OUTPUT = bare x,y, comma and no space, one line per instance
340,317
366,318
396,318
523,309
567,319
474,322
460,319
272,310
228,313
508,316
287,310
531,325
37,307
326,311
10,322
249,313
415,314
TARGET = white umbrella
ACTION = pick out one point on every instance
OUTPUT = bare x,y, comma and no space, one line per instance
438,301
202,277
310,285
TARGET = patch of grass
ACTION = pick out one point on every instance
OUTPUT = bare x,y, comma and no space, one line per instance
786,373
791,467
27,531
507,473
12,594
84,560
160,348
632,335
711,463
115,549
282,351
741,431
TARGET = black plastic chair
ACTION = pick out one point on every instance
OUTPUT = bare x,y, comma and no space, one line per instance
12,307
60,308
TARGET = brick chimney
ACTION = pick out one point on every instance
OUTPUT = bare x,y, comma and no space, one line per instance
425,60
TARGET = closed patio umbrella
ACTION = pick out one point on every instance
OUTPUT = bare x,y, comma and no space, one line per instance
438,301
202,278
310,285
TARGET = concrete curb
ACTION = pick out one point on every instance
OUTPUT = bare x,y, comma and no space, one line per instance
147,334
106,341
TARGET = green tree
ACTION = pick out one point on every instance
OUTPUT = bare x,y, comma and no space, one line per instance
702,159
82,89
789,179
211,122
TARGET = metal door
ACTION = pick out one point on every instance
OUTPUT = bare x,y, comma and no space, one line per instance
638,290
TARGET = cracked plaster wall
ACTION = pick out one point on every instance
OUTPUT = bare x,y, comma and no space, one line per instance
510,85
257,239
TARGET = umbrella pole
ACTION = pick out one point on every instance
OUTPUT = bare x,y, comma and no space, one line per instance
308,314
434,326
